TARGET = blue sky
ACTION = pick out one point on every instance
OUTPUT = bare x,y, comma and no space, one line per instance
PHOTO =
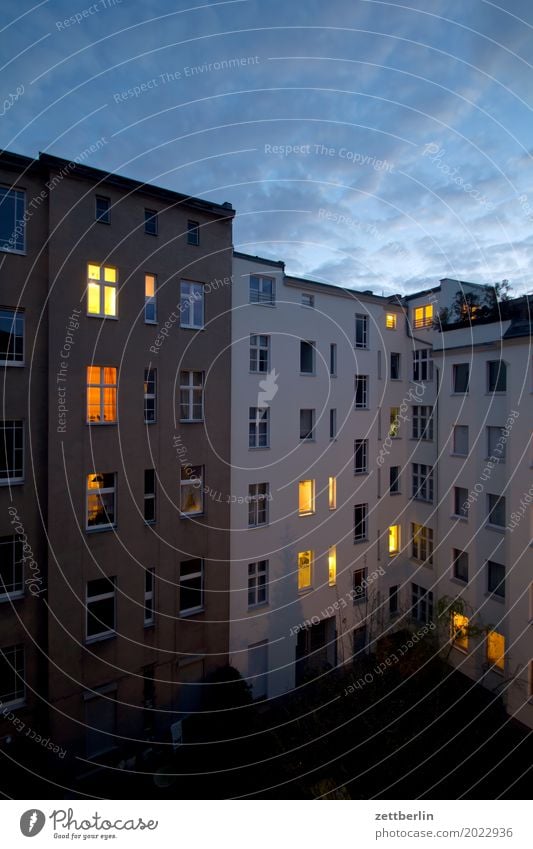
371,144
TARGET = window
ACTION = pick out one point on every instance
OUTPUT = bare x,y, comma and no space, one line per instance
460,440
258,498
393,600
332,493
150,303
11,337
359,585
102,291
305,565
193,233
394,480
423,316
422,543
461,374
101,500
307,424
496,443
361,330
496,510
101,723
360,522
11,451
394,422
390,321
191,396
422,365
151,224
496,650
192,490
258,427
421,603
360,453
422,422
149,597
422,482
103,209
150,389
360,639
496,376
259,353
496,579
361,392
460,565
12,224
191,586
307,357
460,502
12,675
101,394
460,631
332,424
308,300
394,366
306,498
11,567
100,608
191,305
258,583
149,495
332,566
394,539
333,359
262,290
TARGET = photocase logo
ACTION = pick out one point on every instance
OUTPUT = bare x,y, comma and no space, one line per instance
32,822
268,388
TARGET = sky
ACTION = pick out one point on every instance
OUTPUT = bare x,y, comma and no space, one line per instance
375,145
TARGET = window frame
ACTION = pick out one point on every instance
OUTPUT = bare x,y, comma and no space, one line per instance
200,573
422,540
103,286
455,375
150,300
360,447
310,349
110,594
197,482
426,319
254,585
150,497
455,452
501,439
17,447
459,500
310,304
151,216
332,492
397,490
496,585
256,499
100,490
190,389
150,380
11,563
421,599
422,365
500,499
102,388
19,222
398,367
309,498
361,331
457,554
105,216
191,299
193,233
310,436
256,349
422,483
422,422
149,598
391,320
311,558
360,588
260,297
362,522
18,671
333,359
18,318
502,371
361,380
255,430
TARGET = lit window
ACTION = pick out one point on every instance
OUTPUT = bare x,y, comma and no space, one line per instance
460,631
11,337
100,608
193,233
305,562
11,451
360,453
149,495
103,210
424,315
11,567
360,522
150,222
258,583
192,493
149,597
394,539
192,305
259,353
150,389
12,224
306,497
394,422
191,396
496,376
332,493
361,330
101,394
12,675
258,427
101,500
332,566
361,392
307,424
102,291
496,650
258,498
262,290
422,365
390,321
422,543
191,586
150,303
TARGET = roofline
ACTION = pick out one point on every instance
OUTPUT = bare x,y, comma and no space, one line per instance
333,288
421,293
277,262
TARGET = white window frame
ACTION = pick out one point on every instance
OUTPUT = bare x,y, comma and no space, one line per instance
188,390
260,416
427,318
457,554
259,365
107,490
361,468
193,233
362,535
149,597
257,570
258,494
200,573
308,300
101,385
421,599
422,365
422,482
17,319
150,301
189,298
102,284
422,424
361,324
260,297
149,496
362,380
111,632
196,481
150,376
422,543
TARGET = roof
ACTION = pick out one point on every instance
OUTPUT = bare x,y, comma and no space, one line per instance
277,262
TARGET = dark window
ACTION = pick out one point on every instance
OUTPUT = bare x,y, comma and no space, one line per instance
258,497
394,366
307,357
150,388
360,456
393,600
12,675
394,479
460,565
361,330
359,640
103,210
332,423
193,233
12,224
460,501
422,365
421,603
333,359
360,522
460,440
496,578
422,422
149,597
100,607
151,226
461,373
307,424
422,482
262,290
11,336
149,495
11,451
496,510
191,586
496,376
359,585
361,392
11,566
257,583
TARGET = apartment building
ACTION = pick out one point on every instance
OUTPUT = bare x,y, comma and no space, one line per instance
115,366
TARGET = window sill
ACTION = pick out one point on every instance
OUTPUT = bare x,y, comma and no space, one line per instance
307,439
304,515
259,604
149,626
358,541
458,581
199,515
11,364
459,518
101,424
308,374
500,529
455,454
490,394
360,600
305,590
253,527
100,638
17,704
151,321
395,493
261,304
150,423
259,448
11,481
191,421
13,251
12,596
150,521
458,394
490,596
98,315
100,529
192,327
193,611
